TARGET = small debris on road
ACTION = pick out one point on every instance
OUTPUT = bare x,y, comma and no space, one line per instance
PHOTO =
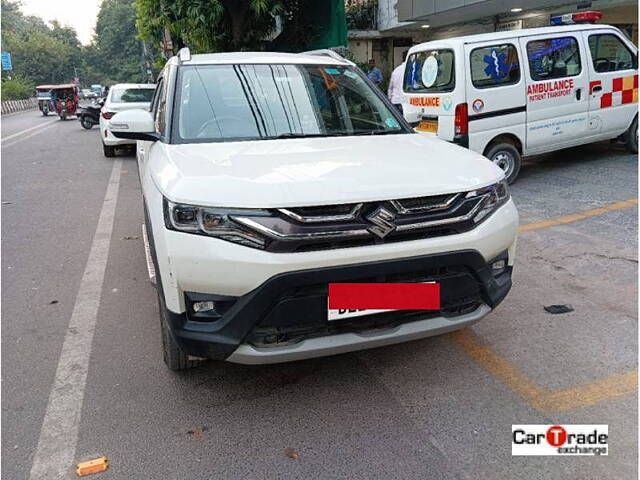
53,302
556,309
7,203
291,453
197,432
130,237
92,466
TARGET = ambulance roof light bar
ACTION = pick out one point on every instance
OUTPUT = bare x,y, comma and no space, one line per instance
590,16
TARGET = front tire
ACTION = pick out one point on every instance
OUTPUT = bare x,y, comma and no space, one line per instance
507,157
108,151
631,142
174,358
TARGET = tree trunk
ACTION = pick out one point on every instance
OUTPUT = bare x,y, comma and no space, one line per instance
237,10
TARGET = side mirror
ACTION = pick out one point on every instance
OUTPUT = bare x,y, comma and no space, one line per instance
134,125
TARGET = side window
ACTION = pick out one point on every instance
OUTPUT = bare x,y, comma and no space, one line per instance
494,66
609,54
159,107
156,95
554,58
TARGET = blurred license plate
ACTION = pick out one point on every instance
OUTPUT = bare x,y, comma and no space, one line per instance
347,300
430,126
339,314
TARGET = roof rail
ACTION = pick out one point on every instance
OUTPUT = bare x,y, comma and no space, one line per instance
184,54
325,52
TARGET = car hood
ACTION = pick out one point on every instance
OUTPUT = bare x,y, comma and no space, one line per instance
317,171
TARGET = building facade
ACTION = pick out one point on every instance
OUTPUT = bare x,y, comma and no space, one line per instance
396,25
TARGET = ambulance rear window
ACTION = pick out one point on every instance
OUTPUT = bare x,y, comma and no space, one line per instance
431,71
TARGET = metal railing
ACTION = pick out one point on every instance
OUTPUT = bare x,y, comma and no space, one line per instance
12,106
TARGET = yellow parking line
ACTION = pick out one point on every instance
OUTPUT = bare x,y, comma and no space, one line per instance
579,216
589,394
539,397
497,366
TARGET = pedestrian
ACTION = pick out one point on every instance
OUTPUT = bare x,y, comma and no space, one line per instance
395,83
374,74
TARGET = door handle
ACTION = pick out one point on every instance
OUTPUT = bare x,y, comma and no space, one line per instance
596,89
578,93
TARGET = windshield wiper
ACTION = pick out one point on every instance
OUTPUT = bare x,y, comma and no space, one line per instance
376,132
296,135
331,134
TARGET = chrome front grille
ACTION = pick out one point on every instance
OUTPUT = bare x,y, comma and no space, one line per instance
425,204
368,223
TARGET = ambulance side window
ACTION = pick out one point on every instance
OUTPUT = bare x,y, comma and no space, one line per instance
494,66
609,54
554,58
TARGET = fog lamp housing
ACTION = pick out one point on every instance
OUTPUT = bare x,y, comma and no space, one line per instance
202,307
499,264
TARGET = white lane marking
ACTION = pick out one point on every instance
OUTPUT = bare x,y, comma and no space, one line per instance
22,132
53,124
59,433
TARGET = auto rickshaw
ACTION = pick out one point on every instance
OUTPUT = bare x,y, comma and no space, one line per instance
63,98
45,102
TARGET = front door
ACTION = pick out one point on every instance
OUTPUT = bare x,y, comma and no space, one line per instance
557,82
613,86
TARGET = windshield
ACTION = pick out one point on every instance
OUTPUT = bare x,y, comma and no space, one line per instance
245,102
132,95
431,71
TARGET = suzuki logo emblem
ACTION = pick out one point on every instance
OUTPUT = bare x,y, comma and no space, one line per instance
382,220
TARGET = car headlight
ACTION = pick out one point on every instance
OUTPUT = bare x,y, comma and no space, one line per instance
495,195
214,222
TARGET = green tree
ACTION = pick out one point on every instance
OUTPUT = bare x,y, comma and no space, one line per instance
17,88
39,53
208,25
115,54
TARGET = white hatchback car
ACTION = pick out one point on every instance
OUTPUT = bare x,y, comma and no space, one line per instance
291,212
122,96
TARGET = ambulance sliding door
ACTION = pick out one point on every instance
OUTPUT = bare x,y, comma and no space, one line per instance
557,90
495,88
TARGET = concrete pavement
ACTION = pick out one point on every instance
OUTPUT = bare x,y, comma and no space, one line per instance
435,408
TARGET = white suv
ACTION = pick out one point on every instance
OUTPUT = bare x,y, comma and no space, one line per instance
291,212
123,96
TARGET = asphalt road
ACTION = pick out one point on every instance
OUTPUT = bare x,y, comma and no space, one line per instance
437,408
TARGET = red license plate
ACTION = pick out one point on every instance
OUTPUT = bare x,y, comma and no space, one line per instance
357,299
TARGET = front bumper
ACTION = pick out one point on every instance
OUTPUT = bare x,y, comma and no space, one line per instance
285,318
349,342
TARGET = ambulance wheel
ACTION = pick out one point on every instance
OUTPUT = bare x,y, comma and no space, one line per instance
507,157
631,142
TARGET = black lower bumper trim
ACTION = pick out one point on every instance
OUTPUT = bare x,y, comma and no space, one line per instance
217,340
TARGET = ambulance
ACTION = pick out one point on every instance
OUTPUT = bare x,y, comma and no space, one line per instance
512,94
